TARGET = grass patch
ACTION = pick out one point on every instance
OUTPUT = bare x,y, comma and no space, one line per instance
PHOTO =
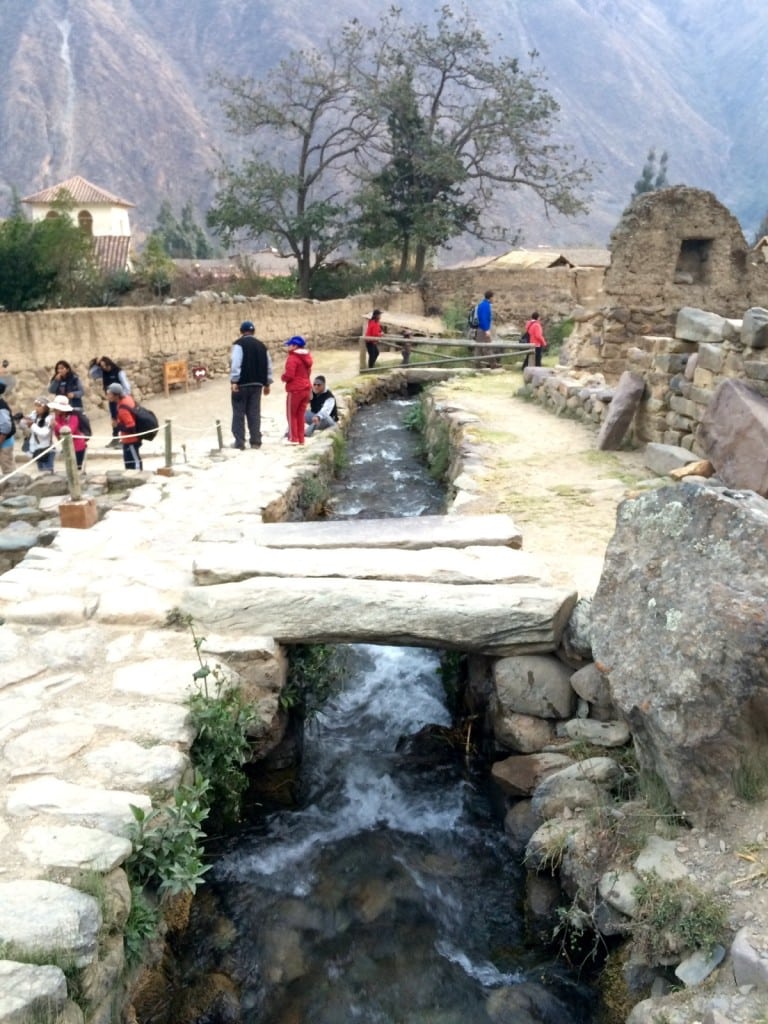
750,779
674,917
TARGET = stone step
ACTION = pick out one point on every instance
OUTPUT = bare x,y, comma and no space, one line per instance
486,619
408,533
230,563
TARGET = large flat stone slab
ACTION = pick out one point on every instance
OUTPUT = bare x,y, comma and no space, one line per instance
410,533
495,620
228,563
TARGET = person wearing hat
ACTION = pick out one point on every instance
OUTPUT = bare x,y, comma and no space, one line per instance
7,430
126,426
250,376
373,330
298,367
64,416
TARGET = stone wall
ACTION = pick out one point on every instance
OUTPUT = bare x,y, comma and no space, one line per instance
201,330
681,372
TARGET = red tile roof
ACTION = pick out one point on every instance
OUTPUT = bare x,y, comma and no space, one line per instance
80,190
112,251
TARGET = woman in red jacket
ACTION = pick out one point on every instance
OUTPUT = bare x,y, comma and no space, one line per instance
535,338
373,331
296,377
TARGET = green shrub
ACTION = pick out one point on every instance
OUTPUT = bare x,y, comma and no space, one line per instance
315,673
167,842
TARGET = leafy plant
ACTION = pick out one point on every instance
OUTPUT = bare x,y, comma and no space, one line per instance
221,720
315,673
750,779
141,926
167,842
314,493
339,447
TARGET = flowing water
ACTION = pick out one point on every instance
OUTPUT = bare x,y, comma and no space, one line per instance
389,895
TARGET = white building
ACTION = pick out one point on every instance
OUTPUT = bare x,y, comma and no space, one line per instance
97,212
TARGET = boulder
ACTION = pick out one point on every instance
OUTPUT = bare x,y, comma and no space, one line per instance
662,458
680,627
701,326
621,411
754,328
534,685
733,434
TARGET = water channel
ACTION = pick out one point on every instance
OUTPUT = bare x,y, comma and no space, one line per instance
388,896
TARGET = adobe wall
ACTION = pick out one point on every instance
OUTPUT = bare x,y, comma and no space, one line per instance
517,293
141,339
674,248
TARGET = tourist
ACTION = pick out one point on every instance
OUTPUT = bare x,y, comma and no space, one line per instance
295,376
536,338
107,372
374,330
484,314
40,426
64,416
66,383
322,412
250,375
126,427
7,430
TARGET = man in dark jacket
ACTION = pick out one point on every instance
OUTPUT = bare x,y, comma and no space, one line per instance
322,412
250,376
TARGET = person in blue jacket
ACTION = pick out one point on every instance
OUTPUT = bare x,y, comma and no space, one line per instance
484,314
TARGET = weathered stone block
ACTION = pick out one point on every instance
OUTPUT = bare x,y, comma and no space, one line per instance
754,328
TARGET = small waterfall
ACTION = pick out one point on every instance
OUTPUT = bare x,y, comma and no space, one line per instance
65,132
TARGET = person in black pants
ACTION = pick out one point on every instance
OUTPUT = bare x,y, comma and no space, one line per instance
250,376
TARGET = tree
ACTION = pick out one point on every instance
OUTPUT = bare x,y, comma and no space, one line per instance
183,239
154,267
45,263
419,128
306,131
463,125
652,177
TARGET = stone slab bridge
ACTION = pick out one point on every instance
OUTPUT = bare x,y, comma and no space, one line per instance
94,682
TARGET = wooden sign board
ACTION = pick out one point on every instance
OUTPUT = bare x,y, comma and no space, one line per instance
176,372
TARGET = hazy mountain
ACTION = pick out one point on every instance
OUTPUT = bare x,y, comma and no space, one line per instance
119,91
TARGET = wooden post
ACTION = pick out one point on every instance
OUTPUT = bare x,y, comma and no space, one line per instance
70,464
167,469
79,513
219,435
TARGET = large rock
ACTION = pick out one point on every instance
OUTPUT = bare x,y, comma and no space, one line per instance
754,328
621,411
701,326
534,685
680,626
733,434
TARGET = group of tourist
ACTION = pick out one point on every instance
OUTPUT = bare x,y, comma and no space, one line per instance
62,407
310,406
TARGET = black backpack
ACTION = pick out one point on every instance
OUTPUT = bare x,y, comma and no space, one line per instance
146,423
83,423
472,323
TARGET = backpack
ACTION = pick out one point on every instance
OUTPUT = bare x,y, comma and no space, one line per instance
472,323
146,423
83,423
4,405
525,338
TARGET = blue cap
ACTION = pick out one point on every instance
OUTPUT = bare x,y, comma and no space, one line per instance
246,325
296,341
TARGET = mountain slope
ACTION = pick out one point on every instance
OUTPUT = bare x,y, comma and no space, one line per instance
120,92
